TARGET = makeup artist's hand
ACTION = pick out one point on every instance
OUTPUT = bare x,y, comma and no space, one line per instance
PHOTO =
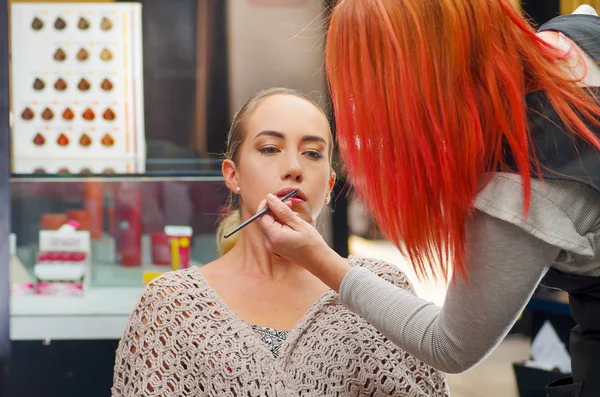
286,234
289,236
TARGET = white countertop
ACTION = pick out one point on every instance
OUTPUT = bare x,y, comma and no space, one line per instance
102,313
96,301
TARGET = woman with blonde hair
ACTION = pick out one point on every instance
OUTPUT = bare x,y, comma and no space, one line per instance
252,323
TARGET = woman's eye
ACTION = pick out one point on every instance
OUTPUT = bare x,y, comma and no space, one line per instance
313,154
268,150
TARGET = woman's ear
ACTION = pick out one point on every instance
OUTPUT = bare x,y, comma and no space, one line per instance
332,178
229,171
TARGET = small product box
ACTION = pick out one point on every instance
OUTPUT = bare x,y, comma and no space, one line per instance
63,266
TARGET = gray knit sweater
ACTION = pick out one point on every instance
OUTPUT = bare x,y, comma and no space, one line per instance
507,256
183,340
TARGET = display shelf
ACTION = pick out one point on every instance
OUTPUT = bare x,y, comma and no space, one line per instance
157,177
156,169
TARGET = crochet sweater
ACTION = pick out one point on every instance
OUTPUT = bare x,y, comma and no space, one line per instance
183,340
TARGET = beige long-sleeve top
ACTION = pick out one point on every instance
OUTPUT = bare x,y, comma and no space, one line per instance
183,340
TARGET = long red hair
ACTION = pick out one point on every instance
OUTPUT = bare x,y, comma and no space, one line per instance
424,93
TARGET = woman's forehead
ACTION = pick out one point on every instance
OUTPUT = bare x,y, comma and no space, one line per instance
288,114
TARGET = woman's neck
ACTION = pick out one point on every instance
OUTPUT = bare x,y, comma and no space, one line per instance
251,257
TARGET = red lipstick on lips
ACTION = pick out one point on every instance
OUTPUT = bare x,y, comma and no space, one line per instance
298,199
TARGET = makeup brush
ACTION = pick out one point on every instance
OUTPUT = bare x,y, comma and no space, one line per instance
259,213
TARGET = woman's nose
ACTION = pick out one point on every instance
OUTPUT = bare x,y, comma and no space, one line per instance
292,169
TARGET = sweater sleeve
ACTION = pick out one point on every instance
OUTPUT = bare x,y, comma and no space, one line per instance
507,256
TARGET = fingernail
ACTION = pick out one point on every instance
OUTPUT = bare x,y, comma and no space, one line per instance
271,196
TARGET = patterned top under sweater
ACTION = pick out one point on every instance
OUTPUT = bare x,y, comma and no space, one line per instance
273,338
183,340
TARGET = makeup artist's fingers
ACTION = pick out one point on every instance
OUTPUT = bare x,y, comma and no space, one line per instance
264,204
287,234
282,212
272,229
268,220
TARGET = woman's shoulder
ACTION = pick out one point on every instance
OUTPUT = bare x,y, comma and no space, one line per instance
173,288
180,279
383,269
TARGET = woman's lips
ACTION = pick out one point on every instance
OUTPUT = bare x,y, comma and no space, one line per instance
299,198
297,201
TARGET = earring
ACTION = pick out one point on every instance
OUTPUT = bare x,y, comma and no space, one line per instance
327,199
238,189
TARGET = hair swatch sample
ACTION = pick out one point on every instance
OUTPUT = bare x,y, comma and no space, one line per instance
39,140
39,84
60,55
85,140
84,85
68,114
88,114
108,140
47,114
37,24
27,114
63,140
83,23
60,85
106,24
60,23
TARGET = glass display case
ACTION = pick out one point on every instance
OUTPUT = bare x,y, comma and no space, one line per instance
125,216
124,220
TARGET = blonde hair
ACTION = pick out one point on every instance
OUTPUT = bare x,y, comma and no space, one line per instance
235,138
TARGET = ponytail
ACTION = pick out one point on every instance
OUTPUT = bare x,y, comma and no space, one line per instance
230,222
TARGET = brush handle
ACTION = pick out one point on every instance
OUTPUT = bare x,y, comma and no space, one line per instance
259,214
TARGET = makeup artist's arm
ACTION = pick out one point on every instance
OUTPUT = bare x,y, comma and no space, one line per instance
505,264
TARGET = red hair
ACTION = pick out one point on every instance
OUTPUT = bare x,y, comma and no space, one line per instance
425,93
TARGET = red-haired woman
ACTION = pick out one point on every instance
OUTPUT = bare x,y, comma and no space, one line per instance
475,143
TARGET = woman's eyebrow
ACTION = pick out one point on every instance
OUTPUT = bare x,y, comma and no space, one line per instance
314,138
275,134
281,135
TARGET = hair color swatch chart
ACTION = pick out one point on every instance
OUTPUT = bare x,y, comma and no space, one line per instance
77,88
